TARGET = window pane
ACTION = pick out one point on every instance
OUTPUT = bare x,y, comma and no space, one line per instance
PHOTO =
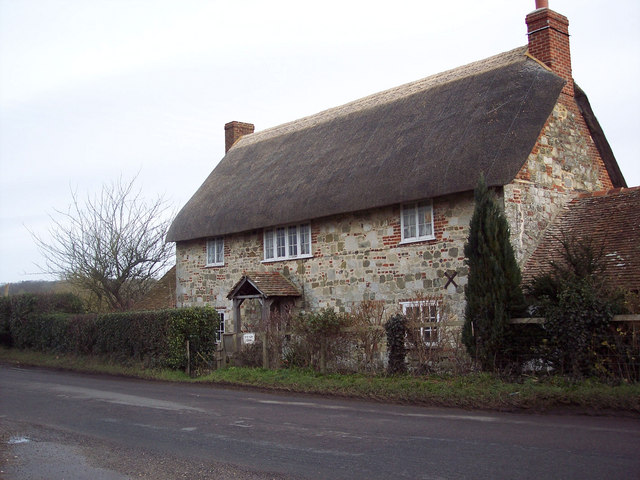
215,251
428,334
305,240
220,251
281,242
210,252
293,241
268,244
431,312
413,312
424,221
220,327
409,221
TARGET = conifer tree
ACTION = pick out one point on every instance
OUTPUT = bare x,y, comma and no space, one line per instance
493,291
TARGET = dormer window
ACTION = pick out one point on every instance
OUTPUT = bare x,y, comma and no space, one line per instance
215,252
417,222
287,242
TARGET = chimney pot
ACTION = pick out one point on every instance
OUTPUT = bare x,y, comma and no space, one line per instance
542,4
233,131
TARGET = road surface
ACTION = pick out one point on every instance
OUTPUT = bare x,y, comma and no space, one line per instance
66,425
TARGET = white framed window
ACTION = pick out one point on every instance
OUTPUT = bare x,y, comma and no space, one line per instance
427,315
284,243
417,222
220,330
215,252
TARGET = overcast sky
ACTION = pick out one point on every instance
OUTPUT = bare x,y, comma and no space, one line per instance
91,90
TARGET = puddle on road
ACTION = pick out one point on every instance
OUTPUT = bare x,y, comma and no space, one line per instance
18,440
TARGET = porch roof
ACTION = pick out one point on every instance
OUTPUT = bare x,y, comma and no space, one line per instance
265,285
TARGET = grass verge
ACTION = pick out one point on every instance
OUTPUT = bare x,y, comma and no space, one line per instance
481,391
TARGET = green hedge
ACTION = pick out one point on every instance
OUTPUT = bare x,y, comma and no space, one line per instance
155,338
21,306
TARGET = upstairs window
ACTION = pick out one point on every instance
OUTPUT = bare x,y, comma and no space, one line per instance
417,222
215,252
284,243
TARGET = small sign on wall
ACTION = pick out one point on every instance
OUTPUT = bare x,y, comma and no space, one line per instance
248,338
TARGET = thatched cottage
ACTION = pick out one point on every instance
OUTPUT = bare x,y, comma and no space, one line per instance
372,199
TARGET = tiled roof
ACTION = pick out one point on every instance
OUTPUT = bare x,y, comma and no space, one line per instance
612,220
266,284
162,295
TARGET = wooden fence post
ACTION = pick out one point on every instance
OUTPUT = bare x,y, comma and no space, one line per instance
265,351
323,355
188,359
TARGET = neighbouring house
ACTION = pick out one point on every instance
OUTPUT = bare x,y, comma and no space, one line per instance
162,295
372,199
609,222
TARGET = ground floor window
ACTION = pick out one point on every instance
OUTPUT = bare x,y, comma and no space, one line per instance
424,316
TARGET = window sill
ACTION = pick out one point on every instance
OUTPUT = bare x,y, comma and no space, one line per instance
274,260
417,240
214,265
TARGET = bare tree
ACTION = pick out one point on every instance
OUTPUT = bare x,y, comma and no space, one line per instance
111,245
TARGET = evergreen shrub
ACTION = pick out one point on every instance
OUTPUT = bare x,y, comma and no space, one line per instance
20,306
154,338
396,329
493,293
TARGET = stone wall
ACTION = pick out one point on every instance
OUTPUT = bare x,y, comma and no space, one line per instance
355,257
563,161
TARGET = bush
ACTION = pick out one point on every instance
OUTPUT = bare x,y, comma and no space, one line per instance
435,348
578,338
368,328
396,328
577,328
199,325
318,331
17,307
155,338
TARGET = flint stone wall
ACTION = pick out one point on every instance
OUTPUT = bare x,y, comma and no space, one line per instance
355,257
563,161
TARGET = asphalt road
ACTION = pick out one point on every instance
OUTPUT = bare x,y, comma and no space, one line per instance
65,425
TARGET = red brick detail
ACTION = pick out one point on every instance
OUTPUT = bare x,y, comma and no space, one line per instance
395,238
549,42
439,224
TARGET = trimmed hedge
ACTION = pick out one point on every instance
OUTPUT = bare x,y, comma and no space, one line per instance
20,306
154,338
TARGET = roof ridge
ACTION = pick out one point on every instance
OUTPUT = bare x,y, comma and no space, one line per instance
606,193
387,96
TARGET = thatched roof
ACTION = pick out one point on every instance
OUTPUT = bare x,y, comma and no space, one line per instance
609,221
601,142
424,139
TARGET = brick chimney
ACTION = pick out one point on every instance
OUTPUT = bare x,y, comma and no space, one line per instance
233,131
549,41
